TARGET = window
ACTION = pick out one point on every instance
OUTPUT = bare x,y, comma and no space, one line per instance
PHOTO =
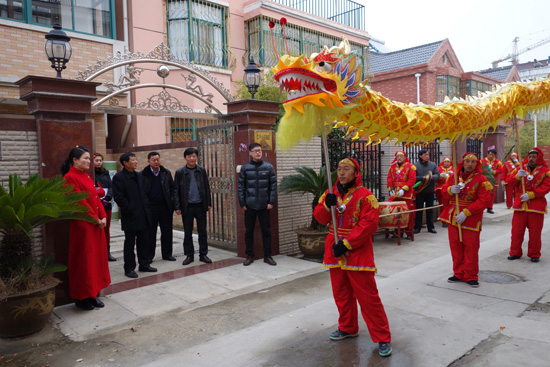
447,85
86,16
197,32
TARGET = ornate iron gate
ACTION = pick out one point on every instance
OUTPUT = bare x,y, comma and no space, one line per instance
369,157
474,146
216,154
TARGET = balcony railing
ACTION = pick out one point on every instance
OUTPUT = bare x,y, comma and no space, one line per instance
345,12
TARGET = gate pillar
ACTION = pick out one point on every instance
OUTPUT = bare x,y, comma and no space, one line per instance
254,121
60,107
496,137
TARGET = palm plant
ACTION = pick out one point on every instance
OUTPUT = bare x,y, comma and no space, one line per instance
24,207
308,181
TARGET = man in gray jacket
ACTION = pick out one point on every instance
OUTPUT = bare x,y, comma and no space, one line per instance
427,172
257,194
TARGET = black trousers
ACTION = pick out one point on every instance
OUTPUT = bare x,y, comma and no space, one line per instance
139,240
424,199
161,217
194,211
265,225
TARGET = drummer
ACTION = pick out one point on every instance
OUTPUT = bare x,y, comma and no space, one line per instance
401,178
445,169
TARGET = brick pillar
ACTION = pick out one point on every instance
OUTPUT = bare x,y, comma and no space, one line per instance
497,138
60,107
254,120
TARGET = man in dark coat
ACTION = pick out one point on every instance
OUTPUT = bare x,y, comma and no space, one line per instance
257,194
160,189
193,201
129,194
428,174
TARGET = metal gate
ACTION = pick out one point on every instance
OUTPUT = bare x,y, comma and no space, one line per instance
474,146
369,157
216,154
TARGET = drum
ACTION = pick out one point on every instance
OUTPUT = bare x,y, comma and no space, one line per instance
393,221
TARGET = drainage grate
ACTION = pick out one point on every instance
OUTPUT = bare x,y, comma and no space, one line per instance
499,277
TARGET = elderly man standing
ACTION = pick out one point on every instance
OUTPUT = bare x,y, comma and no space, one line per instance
511,164
473,192
427,173
529,204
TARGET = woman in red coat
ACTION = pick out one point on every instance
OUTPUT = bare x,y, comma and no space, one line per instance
88,266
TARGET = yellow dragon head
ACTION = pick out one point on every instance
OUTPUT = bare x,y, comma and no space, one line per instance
319,88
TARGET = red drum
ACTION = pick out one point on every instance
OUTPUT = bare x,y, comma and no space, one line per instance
393,221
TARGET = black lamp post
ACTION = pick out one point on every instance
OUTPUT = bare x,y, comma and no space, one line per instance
251,77
58,48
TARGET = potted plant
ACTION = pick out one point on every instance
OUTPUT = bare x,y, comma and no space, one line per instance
26,283
311,239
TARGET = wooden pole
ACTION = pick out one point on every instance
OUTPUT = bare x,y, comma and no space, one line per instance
519,151
410,211
329,178
455,175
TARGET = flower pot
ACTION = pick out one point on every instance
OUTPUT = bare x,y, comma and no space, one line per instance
26,314
311,243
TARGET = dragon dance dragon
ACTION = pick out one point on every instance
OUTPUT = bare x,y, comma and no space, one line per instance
325,90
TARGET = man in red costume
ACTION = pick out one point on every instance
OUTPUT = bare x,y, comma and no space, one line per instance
495,166
511,164
351,259
401,178
474,194
445,170
529,204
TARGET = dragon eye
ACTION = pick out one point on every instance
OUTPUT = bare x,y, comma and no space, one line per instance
324,67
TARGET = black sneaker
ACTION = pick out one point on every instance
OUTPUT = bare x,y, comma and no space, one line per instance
473,283
384,349
339,335
513,257
490,211
454,279
534,259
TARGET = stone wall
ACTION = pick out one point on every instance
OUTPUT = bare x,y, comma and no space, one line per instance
295,209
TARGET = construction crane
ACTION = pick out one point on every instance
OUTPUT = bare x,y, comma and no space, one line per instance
515,53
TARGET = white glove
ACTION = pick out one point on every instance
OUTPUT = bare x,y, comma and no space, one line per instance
455,189
522,173
460,218
444,175
391,192
401,192
524,197
514,160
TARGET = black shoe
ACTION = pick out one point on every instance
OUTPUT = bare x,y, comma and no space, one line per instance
249,260
188,260
508,207
269,260
147,269
84,304
416,230
534,259
490,211
454,279
473,283
384,349
131,274
169,258
432,230
96,302
111,257
444,225
512,257
205,259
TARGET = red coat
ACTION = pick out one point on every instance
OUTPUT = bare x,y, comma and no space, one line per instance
88,263
473,200
443,180
402,177
494,166
507,168
537,188
355,227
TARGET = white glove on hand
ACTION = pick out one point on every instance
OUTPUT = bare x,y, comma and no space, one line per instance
522,173
401,192
460,218
455,189
391,192
444,175
514,160
524,197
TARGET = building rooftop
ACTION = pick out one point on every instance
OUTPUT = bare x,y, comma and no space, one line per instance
500,73
417,55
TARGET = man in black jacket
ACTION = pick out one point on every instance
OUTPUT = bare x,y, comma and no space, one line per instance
427,172
129,194
257,194
159,187
192,200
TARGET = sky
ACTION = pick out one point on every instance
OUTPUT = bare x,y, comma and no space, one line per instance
480,31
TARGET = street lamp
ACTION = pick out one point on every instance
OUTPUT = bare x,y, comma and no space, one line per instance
58,48
251,77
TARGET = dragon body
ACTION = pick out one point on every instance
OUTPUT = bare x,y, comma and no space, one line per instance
325,90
